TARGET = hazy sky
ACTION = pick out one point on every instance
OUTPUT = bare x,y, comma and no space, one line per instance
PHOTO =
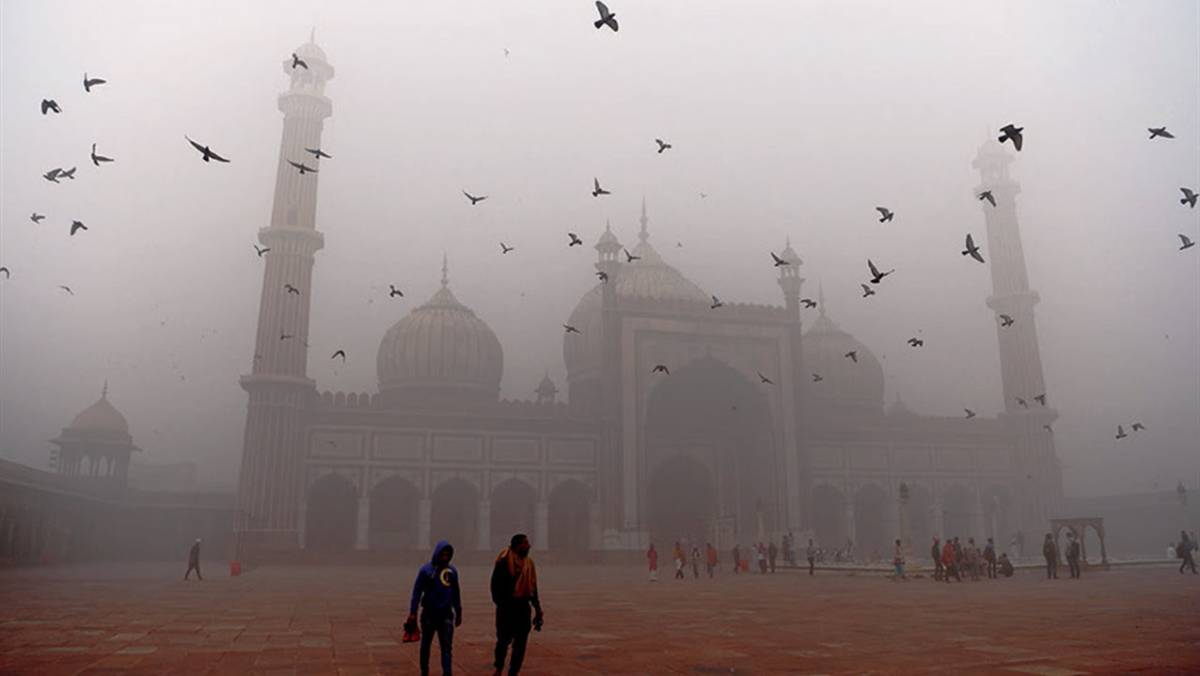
796,118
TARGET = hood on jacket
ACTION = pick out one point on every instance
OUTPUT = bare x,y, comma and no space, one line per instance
437,551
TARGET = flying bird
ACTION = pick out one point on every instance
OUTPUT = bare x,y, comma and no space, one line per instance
607,18
972,250
50,104
817,378
1041,399
260,250
987,195
662,145
67,289
716,303
764,380
852,355
867,291
1189,197
970,413
1006,320
1159,131
629,258
52,175
97,159
76,226
876,275
7,274
1137,427
291,289
660,368
1022,402
779,262
808,303
474,200
574,240
67,173
597,190
393,291
340,353
1187,242
1012,133
88,82
36,217
504,248
297,61
205,151
916,342
602,275
570,329
304,168
318,153
1048,428
285,336
1121,432
885,214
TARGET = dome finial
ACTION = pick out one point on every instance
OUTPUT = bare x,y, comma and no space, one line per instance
644,234
445,271
104,390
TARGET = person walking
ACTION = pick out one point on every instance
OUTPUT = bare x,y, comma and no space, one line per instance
737,559
514,591
710,558
939,571
772,554
194,561
652,560
760,553
811,555
898,561
989,557
695,562
1185,550
950,562
971,552
1050,552
437,593
680,559
1073,555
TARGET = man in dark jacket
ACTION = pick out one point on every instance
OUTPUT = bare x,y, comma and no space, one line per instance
194,561
437,592
938,569
1073,555
514,591
1185,551
1050,552
989,557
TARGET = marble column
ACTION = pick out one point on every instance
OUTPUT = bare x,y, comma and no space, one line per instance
485,525
541,524
851,531
595,526
364,522
424,523
301,522
939,519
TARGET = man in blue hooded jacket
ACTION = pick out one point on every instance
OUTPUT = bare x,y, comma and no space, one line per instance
436,591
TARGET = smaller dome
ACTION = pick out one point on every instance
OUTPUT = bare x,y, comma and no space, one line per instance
845,383
101,416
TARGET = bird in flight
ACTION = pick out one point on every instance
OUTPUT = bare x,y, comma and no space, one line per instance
817,378
36,217
1187,242
970,413
703,195
1022,402
286,336
340,353
661,368
867,291
808,303
1048,428
876,275
1137,427
318,153
52,175
67,173
779,262
1159,131
302,167
570,329
987,195
597,190
1041,399
885,214
607,18
205,151
1012,133
97,159
504,248
764,380
916,342
852,355
629,258
291,289
1121,432
76,226
88,82
574,240
972,250
662,145
260,250
393,291
1189,197
7,274
297,61
67,289
1006,320
474,200
602,275
50,104
716,303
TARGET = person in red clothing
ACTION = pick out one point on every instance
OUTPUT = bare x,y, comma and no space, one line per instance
949,561
652,559
710,561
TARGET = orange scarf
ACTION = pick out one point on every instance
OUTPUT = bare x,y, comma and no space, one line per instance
523,572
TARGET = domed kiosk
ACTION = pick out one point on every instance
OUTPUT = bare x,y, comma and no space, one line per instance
96,444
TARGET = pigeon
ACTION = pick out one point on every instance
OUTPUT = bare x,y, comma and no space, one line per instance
7,273
597,190
1121,432
661,368
304,168
662,145
1048,428
1041,399
867,291
852,355
779,262
504,248
987,195
574,239
67,173
972,250
1189,197
36,217
1137,427
764,380
291,289
1012,133
602,275
474,200
393,291
97,159
817,378
808,303
318,153
50,104
1159,131
89,82
1022,402
205,151
297,61
970,413
876,275
260,250
629,258
1006,320
607,18
340,353
703,195
916,342
570,329
67,289
52,175
286,336
506,52
1186,241
716,303
76,226
885,214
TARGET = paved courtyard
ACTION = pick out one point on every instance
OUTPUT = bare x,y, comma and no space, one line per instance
143,619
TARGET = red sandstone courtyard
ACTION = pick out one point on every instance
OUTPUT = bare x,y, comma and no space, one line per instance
346,620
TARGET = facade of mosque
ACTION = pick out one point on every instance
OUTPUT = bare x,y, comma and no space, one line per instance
739,443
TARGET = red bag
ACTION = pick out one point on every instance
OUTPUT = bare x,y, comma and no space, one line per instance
412,633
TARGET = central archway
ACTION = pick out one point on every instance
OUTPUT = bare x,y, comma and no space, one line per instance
681,503
331,514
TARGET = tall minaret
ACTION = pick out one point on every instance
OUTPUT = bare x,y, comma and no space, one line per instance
1040,478
269,486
